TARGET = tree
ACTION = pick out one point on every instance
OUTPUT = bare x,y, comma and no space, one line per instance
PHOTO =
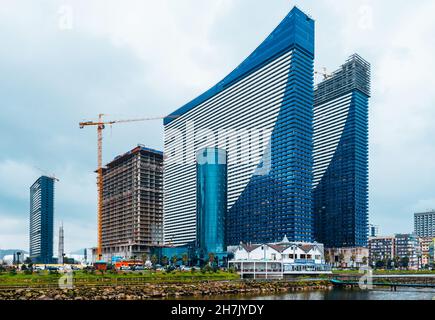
389,263
164,260
154,259
379,264
353,259
174,259
341,259
28,260
396,261
404,262
210,258
185,259
364,260
373,259
144,258
327,257
67,260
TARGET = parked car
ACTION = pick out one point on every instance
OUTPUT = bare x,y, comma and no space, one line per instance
138,268
170,268
52,268
125,268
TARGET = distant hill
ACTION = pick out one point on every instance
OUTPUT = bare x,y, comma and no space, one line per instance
6,252
80,251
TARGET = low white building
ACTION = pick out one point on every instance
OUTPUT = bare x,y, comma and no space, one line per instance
276,260
9,259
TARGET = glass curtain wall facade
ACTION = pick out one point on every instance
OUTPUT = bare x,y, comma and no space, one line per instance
211,200
41,220
261,115
341,155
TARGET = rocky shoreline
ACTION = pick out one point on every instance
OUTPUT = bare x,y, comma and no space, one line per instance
163,291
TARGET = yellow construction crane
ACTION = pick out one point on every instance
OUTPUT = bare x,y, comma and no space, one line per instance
100,124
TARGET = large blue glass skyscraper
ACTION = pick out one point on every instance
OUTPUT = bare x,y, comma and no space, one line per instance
211,200
341,155
41,220
261,115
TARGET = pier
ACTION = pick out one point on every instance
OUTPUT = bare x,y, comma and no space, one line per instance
408,281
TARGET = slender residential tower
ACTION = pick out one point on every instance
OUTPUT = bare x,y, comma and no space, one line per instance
41,220
261,115
341,156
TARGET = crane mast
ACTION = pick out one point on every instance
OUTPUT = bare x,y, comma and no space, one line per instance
100,128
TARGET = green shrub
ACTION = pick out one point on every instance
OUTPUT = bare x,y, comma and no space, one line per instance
207,268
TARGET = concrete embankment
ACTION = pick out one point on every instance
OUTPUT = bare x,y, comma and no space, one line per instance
163,291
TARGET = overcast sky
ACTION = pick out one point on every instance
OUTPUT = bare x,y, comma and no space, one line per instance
65,61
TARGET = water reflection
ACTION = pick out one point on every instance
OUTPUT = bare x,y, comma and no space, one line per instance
346,294
337,294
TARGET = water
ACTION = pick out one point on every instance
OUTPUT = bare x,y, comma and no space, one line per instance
355,294
338,294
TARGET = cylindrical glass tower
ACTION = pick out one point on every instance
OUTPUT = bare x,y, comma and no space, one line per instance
211,200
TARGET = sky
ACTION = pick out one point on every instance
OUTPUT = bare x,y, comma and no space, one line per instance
62,62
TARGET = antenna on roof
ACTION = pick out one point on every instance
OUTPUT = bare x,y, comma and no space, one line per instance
49,175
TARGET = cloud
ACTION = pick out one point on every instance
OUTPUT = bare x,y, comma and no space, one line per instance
16,178
169,37
78,234
146,58
13,232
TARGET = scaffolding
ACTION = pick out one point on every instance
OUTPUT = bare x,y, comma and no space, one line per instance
132,213
354,74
